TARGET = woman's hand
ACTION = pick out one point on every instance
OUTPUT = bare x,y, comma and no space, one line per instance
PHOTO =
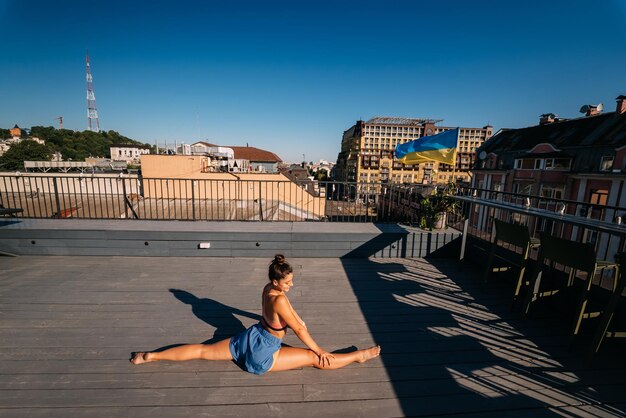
324,358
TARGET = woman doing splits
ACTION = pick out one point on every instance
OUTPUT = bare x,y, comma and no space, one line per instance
258,349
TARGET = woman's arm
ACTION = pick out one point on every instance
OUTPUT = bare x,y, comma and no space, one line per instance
284,309
293,311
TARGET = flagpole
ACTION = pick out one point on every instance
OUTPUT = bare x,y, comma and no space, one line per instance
455,155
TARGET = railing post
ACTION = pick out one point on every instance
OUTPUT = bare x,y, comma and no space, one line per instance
125,199
260,203
193,199
56,196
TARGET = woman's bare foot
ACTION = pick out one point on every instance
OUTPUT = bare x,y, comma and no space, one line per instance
139,358
369,353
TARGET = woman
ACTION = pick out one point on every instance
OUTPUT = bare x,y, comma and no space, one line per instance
258,349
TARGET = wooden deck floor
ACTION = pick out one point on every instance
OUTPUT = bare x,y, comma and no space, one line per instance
449,346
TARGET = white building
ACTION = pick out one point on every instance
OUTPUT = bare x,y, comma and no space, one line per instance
129,153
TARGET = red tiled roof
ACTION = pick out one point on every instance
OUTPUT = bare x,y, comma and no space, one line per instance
254,154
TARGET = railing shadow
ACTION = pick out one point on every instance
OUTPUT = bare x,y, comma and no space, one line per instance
450,347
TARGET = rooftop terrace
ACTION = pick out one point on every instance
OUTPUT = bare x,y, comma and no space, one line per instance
450,346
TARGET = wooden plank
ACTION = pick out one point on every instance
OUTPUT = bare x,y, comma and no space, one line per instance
67,326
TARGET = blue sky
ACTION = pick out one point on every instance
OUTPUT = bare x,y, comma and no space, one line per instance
291,76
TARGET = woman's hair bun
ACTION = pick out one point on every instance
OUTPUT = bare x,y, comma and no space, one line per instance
279,268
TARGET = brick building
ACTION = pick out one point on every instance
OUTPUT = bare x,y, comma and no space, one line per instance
582,159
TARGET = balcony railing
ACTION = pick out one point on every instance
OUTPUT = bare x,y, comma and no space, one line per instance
603,226
134,197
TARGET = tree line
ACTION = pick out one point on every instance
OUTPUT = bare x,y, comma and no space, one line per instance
73,145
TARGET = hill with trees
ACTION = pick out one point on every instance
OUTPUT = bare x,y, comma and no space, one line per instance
73,145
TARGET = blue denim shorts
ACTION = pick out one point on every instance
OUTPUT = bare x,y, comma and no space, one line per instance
253,349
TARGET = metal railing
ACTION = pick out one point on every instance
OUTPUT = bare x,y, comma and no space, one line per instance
577,221
602,225
133,197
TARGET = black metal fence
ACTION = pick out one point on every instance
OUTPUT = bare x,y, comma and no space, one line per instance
229,199
600,225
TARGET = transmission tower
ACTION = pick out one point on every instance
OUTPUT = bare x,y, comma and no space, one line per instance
92,112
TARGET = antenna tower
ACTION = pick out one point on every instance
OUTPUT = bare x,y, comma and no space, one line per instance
92,112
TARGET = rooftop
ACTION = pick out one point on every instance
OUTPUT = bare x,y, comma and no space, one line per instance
606,129
386,120
450,346
254,154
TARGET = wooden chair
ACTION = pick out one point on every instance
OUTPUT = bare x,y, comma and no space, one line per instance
608,313
579,257
518,236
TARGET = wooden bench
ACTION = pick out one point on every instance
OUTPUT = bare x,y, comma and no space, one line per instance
10,211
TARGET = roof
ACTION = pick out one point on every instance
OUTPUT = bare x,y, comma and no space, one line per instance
141,146
387,120
449,348
585,140
254,154
605,130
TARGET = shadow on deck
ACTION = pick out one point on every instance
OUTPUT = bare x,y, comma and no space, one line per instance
450,345
453,346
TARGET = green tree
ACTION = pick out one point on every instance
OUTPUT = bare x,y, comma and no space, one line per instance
26,150
76,145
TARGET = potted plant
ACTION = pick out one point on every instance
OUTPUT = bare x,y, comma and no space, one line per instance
435,207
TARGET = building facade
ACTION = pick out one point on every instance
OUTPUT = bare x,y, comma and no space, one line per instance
235,158
368,152
129,153
582,159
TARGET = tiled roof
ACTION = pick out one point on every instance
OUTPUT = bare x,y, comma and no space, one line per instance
585,139
606,130
254,154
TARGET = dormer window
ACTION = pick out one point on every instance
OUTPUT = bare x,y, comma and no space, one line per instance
606,164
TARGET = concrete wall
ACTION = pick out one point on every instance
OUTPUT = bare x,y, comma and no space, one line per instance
224,239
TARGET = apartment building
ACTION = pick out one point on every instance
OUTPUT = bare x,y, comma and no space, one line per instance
368,152
582,159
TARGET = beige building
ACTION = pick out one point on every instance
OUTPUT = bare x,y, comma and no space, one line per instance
281,198
368,152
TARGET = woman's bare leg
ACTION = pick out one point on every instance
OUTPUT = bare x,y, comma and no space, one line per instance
218,351
294,358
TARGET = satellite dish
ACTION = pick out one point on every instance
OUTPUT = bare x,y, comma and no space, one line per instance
584,109
482,155
599,107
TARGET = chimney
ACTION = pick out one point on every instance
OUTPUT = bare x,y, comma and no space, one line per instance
621,104
547,118
590,110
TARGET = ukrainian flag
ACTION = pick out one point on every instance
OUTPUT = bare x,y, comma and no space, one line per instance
440,147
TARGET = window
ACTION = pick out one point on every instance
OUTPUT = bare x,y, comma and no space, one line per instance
599,196
524,164
552,192
522,188
606,164
562,163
